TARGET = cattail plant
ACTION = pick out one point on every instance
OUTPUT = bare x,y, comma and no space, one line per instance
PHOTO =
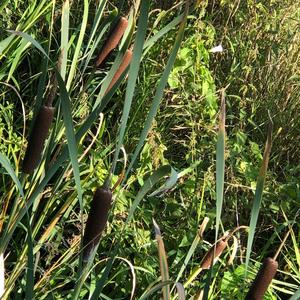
123,66
263,279
40,130
96,221
210,258
37,138
112,41
213,255
265,274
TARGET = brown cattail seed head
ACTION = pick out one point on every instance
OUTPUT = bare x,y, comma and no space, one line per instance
220,246
263,279
37,139
96,221
112,41
124,64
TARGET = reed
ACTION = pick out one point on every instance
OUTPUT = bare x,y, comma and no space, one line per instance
37,138
112,41
263,279
96,221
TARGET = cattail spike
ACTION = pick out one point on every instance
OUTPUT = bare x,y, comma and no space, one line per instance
37,139
96,221
220,246
263,279
124,64
112,41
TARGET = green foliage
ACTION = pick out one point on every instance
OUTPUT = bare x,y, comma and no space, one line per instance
165,112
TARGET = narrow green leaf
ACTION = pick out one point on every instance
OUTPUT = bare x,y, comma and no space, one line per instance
68,122
7,166
30,262
258,192
296,296
133,74
188,256
162,32
158,93
20,50
79,44
31,40
95,44
96,22
148,185
4,44
168,184
220,165
108,79
154,289
64,38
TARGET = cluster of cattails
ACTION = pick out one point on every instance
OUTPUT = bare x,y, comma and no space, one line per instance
102,200
110,44
97,219
264,276
40,129
263,279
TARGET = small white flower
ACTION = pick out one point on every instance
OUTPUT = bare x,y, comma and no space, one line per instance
216,49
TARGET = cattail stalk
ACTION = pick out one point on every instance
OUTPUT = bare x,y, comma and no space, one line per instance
123,66
112,41
96,221
41,127
37,138
213,254
263,279
209,259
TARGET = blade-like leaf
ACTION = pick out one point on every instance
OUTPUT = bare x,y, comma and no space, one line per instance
133,74
296,296
159,92
163,262
7,166
192,248
4,43
79,44
64,38
154,289
220,165
258,192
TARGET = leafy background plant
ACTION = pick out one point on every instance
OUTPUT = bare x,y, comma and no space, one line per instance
259,68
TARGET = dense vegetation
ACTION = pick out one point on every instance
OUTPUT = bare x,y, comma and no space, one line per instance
197,146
